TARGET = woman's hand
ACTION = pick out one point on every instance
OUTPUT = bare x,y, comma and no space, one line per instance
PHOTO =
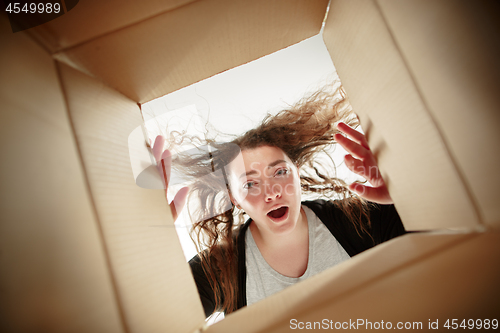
362,162
164,162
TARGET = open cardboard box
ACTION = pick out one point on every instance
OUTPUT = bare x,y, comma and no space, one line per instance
77,253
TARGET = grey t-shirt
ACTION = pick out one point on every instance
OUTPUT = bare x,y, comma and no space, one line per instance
324,252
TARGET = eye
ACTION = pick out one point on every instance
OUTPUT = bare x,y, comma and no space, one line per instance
281,172
249,185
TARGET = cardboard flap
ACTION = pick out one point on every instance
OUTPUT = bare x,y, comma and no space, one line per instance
177,48
413,278
154,281
53,271
424,177
90,19
452,49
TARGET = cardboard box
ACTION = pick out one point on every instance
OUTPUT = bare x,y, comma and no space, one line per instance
77,249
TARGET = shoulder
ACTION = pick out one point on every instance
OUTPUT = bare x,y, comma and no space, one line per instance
384,223
326,210
337,209
205,291
202,270
332,215
319,204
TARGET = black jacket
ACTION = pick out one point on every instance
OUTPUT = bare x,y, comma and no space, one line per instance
385,225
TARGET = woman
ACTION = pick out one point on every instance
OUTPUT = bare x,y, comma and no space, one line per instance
265,172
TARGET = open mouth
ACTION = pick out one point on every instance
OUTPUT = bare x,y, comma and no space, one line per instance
278,213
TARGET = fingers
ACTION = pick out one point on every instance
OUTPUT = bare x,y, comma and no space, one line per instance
165,167
180,198
179,201
352,147
368,171
363,163
356,166
358,137
158,147
164,160
374,194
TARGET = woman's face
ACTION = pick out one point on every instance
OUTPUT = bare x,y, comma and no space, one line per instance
266,185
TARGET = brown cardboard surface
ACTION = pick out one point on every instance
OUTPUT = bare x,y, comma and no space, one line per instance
452,50
93,18
57,276
460,282
53,272
416,277
424,179
177,48
337,283
153,279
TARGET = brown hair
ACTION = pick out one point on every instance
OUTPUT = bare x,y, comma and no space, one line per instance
302,131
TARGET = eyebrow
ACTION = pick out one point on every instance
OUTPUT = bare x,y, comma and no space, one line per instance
269,166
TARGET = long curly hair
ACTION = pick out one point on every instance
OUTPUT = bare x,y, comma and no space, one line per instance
302,131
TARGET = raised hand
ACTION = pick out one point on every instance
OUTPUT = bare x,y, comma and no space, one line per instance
362,162
164,163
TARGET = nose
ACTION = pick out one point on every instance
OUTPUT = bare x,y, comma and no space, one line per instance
272,192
